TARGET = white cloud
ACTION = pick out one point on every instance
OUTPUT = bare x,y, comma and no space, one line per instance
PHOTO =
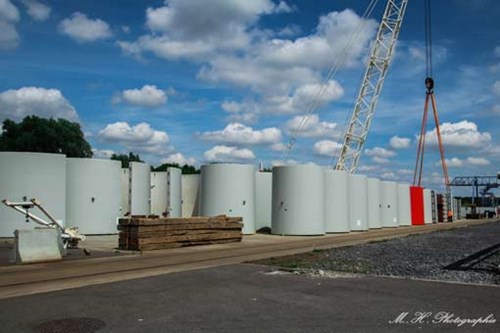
8,12
463,134
496,88
496,52
286,74
9,16
327,148
389,175
239,134
456,162
380,160
179,159
289,31
231,106
250,71
138,138
479,161
368,168
312,127
380,152
228,154
102,153
380,155
398,143
16,104
147,96
495,68
328,42
495,109
164,47
279,147
82,29
9,38
191,29
37,10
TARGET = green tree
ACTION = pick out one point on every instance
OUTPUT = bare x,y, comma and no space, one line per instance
35,134
126,159
186,169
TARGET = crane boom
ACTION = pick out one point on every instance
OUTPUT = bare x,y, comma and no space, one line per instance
371,86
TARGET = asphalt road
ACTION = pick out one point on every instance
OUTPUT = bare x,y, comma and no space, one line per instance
243,298
19,280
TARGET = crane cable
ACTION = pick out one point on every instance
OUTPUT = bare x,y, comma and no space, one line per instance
428,38
429,83
333,71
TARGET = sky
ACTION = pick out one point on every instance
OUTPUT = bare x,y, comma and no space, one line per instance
203,81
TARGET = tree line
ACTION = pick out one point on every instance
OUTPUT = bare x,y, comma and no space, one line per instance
60,136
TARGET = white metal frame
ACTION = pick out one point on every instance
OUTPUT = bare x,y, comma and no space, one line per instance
369,92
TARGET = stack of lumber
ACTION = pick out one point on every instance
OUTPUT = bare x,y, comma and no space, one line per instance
140,233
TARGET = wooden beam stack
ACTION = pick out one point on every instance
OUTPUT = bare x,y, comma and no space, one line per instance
141,233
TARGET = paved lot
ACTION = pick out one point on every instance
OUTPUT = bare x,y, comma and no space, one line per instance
243,298
19,280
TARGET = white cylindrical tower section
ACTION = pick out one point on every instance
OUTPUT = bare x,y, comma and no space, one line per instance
336,201
263,199
389,201
174,192
298,200
404,205
93,196
190,195
427,206
229,189
159,193
24,176
358,203
140,188
374,203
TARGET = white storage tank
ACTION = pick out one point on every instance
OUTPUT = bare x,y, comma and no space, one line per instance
190,195
24,176
404,205
159,193
374,203
389,201
93,196
263,199
140,188
427,206
166,192
174,176
336,201
229,189
298,200
125,192
358,203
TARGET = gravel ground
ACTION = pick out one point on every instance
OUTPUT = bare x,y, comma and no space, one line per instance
419,256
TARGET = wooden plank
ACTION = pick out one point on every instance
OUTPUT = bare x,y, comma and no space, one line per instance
166,233
162,246
169,233
180,238
159,221
167,221
191,226
146,232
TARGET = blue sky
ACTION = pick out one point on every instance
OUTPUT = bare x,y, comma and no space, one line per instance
201,81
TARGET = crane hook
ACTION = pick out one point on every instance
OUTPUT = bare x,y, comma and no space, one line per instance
429,84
